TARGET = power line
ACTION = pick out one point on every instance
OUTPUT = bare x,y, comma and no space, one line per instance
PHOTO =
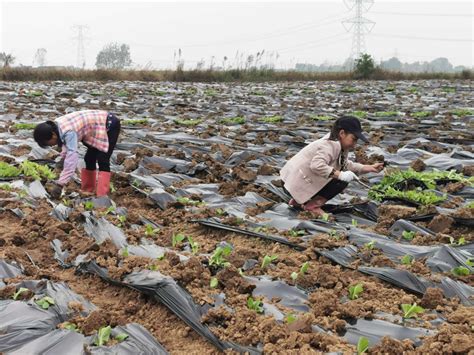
81,55
310,43
423,38
420,14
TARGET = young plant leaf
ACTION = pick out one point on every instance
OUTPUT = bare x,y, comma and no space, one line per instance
362,345
103,336
19,292
355,291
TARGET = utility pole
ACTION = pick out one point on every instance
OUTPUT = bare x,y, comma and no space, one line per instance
358,25
81,55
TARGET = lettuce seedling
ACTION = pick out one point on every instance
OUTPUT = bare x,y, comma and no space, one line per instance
362,345
354,222
267,260
89,205
194,245
255,305
103,336
408,235
325,217
461,241
411,310
121,337
355,291
407,259
122,220
296,233
303,270
125,252
150,231
214,282
370,245
45,302
290,318
218,257
70,326
177,239
461,271
19,292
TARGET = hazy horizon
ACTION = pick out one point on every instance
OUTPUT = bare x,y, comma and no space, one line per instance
300,32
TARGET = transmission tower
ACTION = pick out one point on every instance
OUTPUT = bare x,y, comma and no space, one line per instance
40,57
81,56
358,25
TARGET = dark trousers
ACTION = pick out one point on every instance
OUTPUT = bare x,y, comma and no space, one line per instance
332,188
94,156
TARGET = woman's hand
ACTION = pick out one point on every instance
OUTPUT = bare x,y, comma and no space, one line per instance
374,168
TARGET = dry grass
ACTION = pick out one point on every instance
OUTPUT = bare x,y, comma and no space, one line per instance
251,75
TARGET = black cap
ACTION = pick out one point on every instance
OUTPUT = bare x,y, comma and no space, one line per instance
351,124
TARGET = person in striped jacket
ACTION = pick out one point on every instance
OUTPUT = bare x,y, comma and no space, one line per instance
98,130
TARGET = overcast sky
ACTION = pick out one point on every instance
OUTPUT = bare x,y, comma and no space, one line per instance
307,32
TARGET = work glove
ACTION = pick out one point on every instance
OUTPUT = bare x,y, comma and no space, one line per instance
54,189
347,176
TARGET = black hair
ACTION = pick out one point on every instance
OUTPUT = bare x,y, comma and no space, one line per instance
44,132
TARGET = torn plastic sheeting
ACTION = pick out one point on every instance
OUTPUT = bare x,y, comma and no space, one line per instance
347,218
207,192
238,157
467,193
446,162
62,296
277,191
374,330
20,323
178,165
417,284
9,270
391,248
343,256
161,198
215,223
61,212
58,341
148,181
250,199
59,255
289,296
36,190
402,225
139,341
165,290
168,179
447,258
469,222
147,250
101,230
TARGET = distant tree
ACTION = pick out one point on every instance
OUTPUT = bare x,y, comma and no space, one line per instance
6,59
114,56
393,64
364,67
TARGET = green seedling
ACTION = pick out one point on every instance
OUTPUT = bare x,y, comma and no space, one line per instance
122,93
7,170
220,212
408,235
325,217
66,202
177,239
70,326
449,90
214,282
189,202
362,345
349,90
37,171
386,114
210,92
150,231
219,255
6,187
125,252
461,241
290,318
241,272
355,291
303,270
370,245
33,93
421,114
267,260
354,222
19,292
334,234
122,220
390,88
89,205
461,271
413,90
296,233
112,187
261,229
194,245
136,183
103,336
153,267
233,120
411,310
407,259
470,262
359,114
26,126
45,302
255,305
462,112
272,119
121,337
136,122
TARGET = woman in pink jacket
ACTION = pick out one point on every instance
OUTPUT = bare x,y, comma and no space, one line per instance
98,130
321,170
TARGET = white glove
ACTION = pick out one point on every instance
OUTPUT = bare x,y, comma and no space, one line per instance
347,176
